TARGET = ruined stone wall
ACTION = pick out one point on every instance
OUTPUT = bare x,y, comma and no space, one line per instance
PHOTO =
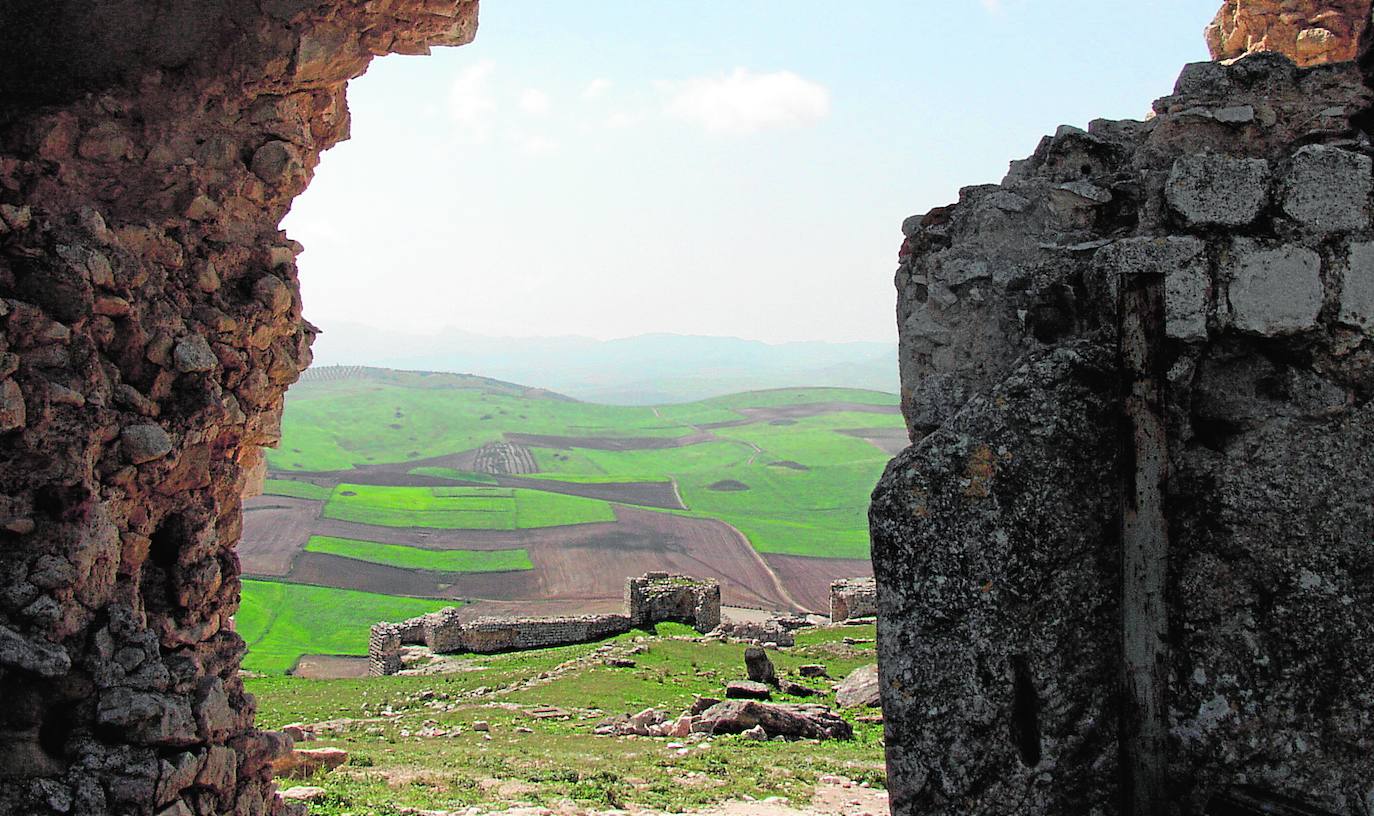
652,598
853,598
1231,234
657,597
149,324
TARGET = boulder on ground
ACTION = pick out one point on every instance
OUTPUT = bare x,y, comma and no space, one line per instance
777,720
302,793
796,689
303,763
812,670
747,690
700,704
759,667
860,688
755,733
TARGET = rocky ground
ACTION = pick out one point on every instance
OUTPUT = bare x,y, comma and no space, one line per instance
647,723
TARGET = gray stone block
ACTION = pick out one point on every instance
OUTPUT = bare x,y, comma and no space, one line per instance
1274,290
1327,189
1211,190
1357,293
1187,278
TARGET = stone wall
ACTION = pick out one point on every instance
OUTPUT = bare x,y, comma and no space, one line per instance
658,596
149,324
1152,344
853,598
655,597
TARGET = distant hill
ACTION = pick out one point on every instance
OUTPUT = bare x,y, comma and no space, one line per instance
645,370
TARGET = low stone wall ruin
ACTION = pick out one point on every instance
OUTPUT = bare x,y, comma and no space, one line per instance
655,597
852,598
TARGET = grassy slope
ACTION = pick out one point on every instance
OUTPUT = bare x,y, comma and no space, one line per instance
281,621
391,768
336,425
462,508
299,490
396,555
820,512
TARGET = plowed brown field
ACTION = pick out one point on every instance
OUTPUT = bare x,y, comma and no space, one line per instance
809,578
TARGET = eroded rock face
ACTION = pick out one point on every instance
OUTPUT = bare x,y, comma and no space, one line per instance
997,535
1312,32
149,325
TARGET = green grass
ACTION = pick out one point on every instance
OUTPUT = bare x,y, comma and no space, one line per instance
462,508
392,767
339,425
299,490
281,621
396,555
454,474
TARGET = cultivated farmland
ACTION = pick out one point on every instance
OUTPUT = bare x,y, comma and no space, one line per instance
436,488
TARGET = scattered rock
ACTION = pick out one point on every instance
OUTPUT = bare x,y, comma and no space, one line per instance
481,725
759,667
303,793
302,763
777,720
796,689
747,690
620,663
813,670
860,688
755,733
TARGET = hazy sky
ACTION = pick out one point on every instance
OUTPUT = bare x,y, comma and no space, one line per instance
617,167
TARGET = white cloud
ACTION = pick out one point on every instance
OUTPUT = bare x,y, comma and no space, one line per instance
596,88
534,102
470,103
992,6
745,102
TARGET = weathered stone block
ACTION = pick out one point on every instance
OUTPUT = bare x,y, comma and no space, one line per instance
1187,278
1327,189
1357,292
1210,190
1274,290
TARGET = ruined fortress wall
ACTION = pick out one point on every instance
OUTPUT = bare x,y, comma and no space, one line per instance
1153,342
658,596
649,599
853,598
149,324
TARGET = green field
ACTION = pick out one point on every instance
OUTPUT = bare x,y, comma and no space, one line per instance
299,490
462,508
281,621
394,766
799,485
396,555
